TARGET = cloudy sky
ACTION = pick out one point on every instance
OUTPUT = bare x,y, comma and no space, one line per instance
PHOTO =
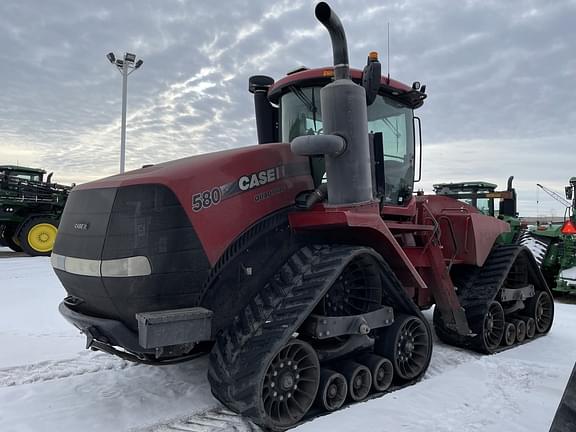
500,77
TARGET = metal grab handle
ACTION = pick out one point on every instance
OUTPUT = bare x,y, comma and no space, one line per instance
417,119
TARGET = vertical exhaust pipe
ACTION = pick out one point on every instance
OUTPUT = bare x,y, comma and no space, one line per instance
345,143
330,20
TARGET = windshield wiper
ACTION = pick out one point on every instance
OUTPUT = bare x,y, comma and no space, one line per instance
309,104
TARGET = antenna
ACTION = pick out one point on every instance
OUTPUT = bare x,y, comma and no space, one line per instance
537,205
388,52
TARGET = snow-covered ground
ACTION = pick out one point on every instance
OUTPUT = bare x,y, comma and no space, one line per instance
48,382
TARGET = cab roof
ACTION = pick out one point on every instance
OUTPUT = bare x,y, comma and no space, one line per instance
22,169
470,186
322,76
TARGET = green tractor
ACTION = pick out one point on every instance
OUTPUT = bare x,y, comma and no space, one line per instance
30,209
483,196
554,245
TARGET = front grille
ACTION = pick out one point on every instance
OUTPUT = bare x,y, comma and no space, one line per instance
132,221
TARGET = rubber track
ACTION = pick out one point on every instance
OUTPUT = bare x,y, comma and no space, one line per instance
481,290
538,246
244,350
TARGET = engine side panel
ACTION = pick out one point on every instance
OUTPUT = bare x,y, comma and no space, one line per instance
467,236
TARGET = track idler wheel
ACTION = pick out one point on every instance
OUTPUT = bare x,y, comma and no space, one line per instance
381,369
408,345
332,391
359,379
509,334
491,333
520,330
541,308
290,384
530,327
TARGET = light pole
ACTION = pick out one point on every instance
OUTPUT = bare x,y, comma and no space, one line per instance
126,66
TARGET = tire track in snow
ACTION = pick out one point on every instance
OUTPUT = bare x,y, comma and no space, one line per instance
84,363
215,420
444,359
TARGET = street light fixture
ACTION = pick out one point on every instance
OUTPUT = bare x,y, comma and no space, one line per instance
125,67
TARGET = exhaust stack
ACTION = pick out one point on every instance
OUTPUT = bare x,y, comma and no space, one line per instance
345,121
330,20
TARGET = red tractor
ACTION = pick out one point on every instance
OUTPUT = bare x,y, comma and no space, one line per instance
300,264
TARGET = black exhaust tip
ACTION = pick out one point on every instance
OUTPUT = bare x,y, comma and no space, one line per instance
322,12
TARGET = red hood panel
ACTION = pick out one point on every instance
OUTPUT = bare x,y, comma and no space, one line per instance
223,193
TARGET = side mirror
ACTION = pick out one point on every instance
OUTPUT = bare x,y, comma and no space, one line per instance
568,190
371,77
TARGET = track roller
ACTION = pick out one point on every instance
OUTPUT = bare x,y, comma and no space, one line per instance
509,334
520,330
359,379
530,326
332,391
381,369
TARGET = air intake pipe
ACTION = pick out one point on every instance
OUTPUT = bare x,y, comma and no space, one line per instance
266,114
345,122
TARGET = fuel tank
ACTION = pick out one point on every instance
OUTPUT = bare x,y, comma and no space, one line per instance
146,240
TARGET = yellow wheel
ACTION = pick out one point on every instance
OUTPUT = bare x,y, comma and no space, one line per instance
38,235
41,237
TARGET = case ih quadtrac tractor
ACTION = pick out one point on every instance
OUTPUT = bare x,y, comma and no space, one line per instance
301,264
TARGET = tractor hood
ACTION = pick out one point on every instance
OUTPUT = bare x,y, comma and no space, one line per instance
147,239
222,193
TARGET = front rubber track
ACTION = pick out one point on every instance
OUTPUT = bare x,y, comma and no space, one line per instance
243,351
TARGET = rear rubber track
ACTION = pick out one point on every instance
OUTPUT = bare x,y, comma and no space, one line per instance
537,245
483,287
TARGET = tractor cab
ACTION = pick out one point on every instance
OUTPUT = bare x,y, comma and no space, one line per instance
23,173
292,108
482,195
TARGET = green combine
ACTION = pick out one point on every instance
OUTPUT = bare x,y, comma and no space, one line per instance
483,196
554,245
30,209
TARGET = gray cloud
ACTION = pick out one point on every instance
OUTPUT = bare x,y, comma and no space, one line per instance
499,75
